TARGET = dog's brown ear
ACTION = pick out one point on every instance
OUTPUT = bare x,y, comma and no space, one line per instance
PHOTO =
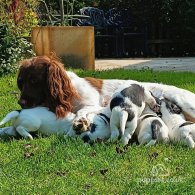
61,93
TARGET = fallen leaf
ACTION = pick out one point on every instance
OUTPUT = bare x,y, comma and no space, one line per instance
93,154
91,173
87,186
61,174
36,148
103,171
28,154
26,146
153,156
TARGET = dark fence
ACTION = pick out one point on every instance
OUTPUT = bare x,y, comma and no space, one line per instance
120,34
117,33
143,28
159,40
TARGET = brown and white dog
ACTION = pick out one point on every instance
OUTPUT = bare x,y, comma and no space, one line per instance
43,81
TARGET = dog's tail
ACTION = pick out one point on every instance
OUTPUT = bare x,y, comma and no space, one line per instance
10,116
123,121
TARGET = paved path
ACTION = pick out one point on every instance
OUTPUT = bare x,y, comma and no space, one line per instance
160,64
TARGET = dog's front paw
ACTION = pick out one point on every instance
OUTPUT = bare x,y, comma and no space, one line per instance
80,125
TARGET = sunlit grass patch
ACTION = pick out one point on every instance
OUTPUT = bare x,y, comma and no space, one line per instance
54,165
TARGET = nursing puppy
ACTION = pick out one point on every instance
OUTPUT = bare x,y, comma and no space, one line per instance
151,128
179,128
38,119
126,105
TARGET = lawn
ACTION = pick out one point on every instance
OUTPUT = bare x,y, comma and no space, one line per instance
53,165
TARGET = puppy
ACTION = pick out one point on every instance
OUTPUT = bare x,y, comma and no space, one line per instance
95,127
151,128
126,105
36,119
179,128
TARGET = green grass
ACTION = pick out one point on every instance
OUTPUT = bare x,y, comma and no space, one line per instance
54,165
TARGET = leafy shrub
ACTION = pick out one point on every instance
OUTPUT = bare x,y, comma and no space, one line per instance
12,49
17,17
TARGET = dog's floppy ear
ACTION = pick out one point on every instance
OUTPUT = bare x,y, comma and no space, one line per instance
61,93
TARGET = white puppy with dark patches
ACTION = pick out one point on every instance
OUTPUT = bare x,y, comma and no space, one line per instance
179,128
99,128
151,129
97,125
126,105
38,119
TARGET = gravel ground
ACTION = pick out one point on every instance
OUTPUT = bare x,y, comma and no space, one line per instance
160,64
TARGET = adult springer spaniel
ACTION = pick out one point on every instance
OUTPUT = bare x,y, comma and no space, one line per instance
43,81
